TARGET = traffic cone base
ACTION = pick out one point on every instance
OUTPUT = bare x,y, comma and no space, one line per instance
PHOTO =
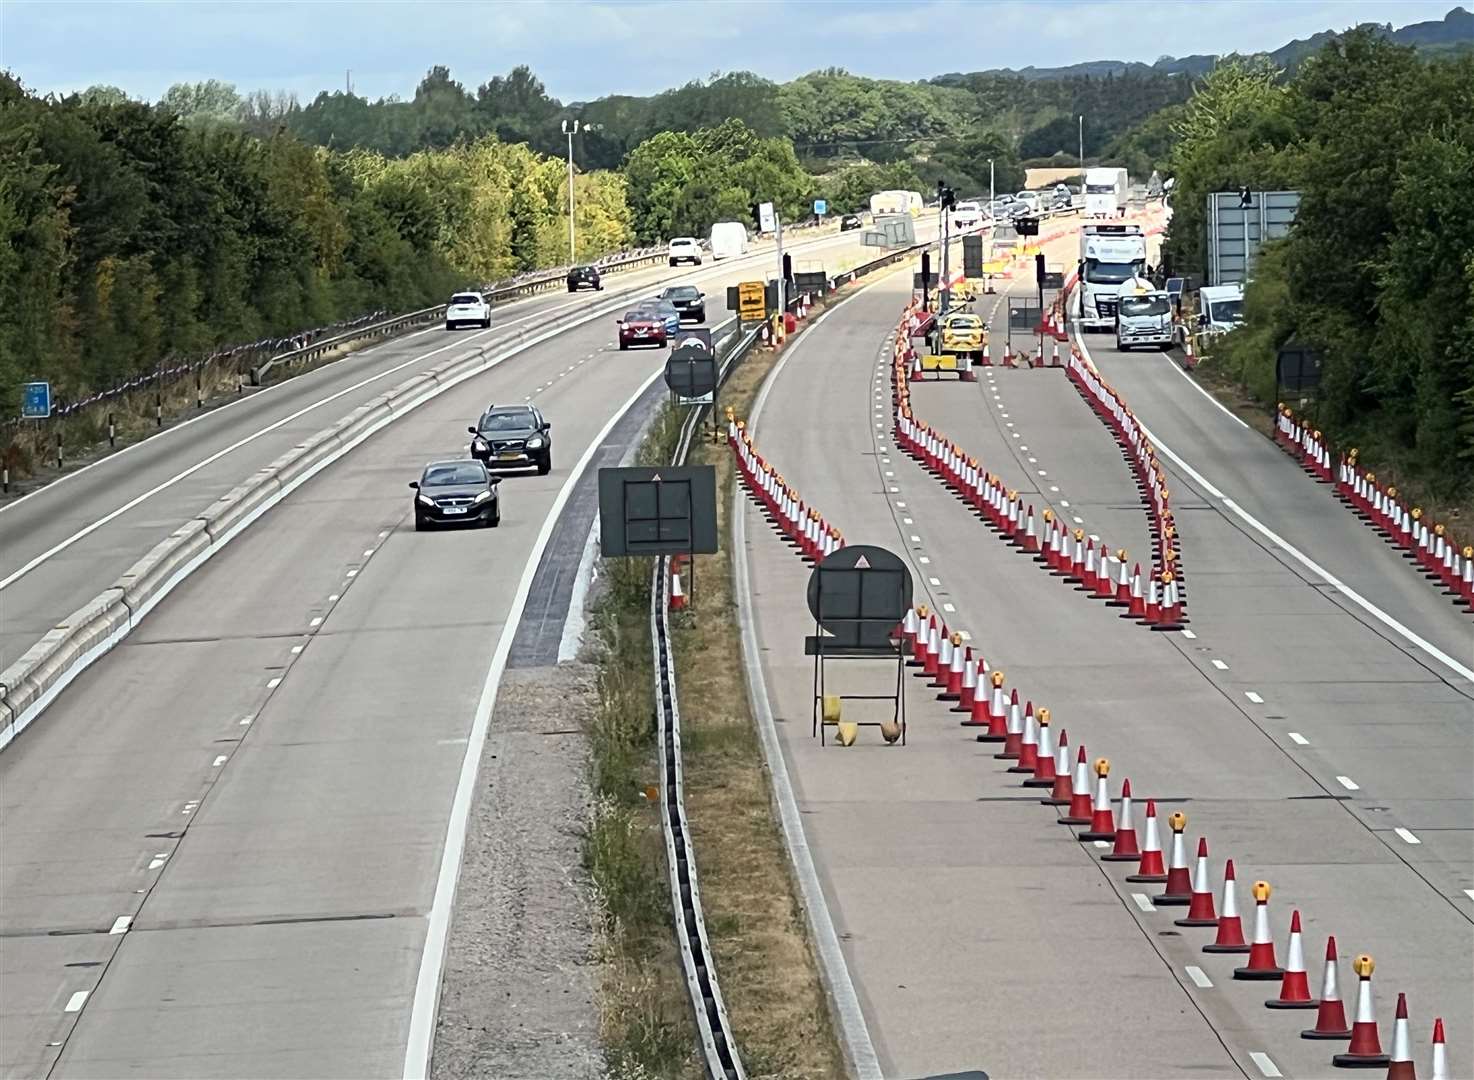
1361,1061
1258,974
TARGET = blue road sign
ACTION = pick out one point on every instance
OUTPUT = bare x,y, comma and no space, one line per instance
35,400
820,207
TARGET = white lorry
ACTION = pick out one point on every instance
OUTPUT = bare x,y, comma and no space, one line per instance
1105,192
1109,256
1220,308
1143,315
728,240
896,202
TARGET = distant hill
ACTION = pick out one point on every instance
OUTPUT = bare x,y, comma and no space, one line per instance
1452,33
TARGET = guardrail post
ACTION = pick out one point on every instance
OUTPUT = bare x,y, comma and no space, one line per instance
59,461
199,387
112,432
158,409
5,479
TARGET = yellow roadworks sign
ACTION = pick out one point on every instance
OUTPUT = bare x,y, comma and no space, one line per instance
944,362
751,300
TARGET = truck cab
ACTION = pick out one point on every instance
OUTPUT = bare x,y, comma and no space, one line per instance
1220,308
1110,256
1143,315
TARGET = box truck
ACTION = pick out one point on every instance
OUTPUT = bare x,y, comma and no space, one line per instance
1109,256
1105,192
1143,315
728,240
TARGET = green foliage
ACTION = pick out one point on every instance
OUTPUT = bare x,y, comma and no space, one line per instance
681,183
132,233
848,191
1378,271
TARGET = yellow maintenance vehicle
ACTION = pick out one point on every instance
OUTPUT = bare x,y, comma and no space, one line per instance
962,334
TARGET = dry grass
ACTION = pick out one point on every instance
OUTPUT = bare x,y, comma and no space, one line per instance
766,967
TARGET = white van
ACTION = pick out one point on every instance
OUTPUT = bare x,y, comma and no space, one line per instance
728,239
1220,307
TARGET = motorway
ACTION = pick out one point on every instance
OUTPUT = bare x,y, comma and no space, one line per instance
230,847
1317,739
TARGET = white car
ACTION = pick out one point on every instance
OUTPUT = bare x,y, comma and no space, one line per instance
967,215
684,249
467,307
1030,199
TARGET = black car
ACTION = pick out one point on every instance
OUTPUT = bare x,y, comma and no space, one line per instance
688,300
580,276
509,436
456,493
850,221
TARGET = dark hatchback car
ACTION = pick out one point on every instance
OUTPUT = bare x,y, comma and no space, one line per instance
849,221
580,276
688,300
641,327
513,436
456,493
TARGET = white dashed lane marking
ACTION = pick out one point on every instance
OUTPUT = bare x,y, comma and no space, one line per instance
1143,901
1220,665
1298,739
1198,976
1255,698
75,1002
1407,835
121,924
1348,783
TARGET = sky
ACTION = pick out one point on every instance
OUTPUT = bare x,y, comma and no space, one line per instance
583,49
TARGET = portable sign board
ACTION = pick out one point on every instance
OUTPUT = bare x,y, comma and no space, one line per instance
1023,313
35,400
691,373
692,334
972,256
811,281
858,595
766,218
752,300
666,510
1297,367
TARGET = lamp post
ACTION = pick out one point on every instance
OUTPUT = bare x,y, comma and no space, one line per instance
570,129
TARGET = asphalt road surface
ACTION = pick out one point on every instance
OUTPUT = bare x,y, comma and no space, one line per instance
1302,736
229,847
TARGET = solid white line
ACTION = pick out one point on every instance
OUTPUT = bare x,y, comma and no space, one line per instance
74,1003
1298,739
1469,893
1199,976
333,599
1315,568
1265,1064
121,924
316,621
574,622
1143,901
1194,384
432,959
934,581
1407,835
1220,665
245,720
1252,696
1348,783
157,861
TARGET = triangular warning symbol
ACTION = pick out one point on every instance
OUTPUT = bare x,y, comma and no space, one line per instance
862,563
655,478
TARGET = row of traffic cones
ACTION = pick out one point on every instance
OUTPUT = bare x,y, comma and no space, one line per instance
801,525
1433,548
1151,484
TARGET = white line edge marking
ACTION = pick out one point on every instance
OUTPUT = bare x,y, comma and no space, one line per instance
575,621
220,760
1143,901
1189,635
1199,976
1348,783
75,1002
1297,738
1469,893
1407,834
421,1038
1194,384
832,967
1265,1063
1304,560
273,683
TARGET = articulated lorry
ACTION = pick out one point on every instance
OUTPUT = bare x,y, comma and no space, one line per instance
1143,315
1110,255
1105,193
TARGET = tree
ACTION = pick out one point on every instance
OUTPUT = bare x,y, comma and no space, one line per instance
203,103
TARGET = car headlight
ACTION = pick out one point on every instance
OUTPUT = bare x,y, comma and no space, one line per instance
478,443
424,499
482,496
535,443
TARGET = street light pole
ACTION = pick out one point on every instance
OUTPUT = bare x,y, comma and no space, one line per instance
570,129
992,231
1082,163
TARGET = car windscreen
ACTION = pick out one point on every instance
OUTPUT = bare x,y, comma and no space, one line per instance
465,298
1104,273
507,421
1144,305
1226,311
964,324
1100,189
680,292
641,316
462,472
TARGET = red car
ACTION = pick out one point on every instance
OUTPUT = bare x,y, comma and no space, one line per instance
641,328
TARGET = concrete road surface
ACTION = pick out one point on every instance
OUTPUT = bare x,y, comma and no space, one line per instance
979,932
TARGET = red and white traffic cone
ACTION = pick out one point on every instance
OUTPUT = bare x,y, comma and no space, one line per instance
1080,801
1122,598
1102,820
987,359
1104,588
1125,848
1400,1067
1063,790
1152,609
677,597
953,690
1440,1052
933,650
943,669
1262,964
1230,937
923,635
1028,753
1137,608
1013,736
1151,869
1330,1019
1365,1050
909,626
997,713
969,689
1044,755
1200,905
1295,986
1178,890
